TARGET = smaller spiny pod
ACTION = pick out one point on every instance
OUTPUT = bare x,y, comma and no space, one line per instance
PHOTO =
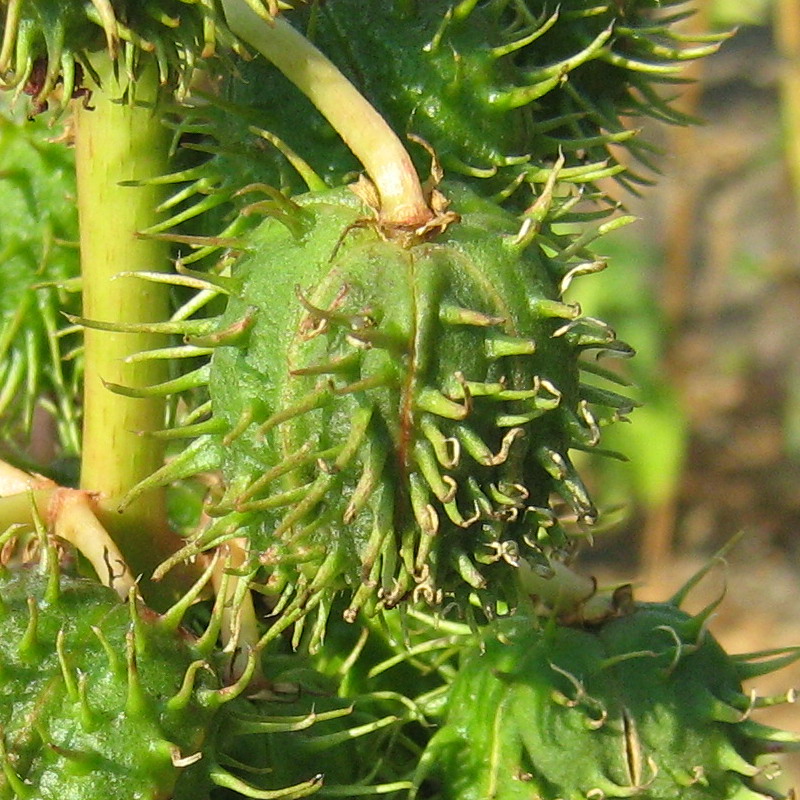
105,698
646,704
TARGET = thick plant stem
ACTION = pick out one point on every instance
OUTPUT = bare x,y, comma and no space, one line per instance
361,127
119,141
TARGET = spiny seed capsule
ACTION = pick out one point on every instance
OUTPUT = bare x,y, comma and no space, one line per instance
647,705
100,698
394,418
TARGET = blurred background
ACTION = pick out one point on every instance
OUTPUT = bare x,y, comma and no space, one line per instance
715,450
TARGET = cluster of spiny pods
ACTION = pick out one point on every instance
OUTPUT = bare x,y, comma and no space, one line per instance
380,412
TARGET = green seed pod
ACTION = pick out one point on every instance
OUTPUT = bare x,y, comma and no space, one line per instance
394,418
101,698
91,700
647,705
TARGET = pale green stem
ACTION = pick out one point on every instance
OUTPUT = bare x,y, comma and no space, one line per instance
361,127
74,519
568,593
15,481
118,141
72,516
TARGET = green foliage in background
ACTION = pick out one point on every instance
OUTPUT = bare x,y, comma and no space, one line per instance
741,12
655,437
38,273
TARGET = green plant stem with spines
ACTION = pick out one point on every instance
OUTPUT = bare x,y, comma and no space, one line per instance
121,140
